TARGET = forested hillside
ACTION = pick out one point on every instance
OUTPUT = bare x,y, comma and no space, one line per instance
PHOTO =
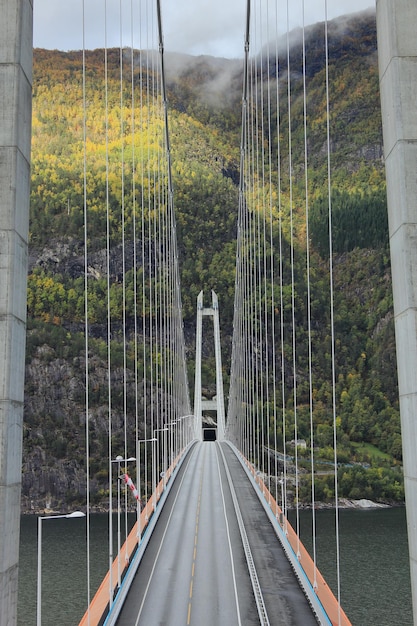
204,97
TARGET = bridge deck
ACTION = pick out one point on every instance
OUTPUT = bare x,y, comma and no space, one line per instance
194,569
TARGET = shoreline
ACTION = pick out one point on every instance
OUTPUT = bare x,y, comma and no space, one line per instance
362,504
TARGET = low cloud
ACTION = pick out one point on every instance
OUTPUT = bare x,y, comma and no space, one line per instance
211,27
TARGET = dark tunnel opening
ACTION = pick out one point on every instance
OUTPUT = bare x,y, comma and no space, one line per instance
209,434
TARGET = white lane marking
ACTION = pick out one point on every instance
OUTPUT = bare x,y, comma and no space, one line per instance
229,541
162,541
257,592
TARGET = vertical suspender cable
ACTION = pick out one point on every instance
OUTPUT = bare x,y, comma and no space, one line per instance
135,269
166,200
253,355
146,245
263,321
245,164
257,243
281,284
149,260
258,258
142,103
87,408
109,391
155,258
253,256
166,417
329,189
310,375
246,269
123,235
269,309
272,256
292,245
253,288
237,417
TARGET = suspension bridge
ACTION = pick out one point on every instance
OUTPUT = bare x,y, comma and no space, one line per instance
211,543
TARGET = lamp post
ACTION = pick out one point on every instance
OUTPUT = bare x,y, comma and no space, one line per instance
188,429
180,423
184,430
171,440
39,583
119,460
138,511
282,482
162,430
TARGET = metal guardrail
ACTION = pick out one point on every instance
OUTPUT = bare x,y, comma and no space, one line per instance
257,592
322,600
133,567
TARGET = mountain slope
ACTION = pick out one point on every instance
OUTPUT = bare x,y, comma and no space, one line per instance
205,98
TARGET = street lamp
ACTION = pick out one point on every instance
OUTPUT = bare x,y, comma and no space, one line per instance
283,489
185,436
171,440
161,430
39,584
119,460
182,431
138,511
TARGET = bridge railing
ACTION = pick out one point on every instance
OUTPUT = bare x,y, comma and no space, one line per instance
298,553
100,605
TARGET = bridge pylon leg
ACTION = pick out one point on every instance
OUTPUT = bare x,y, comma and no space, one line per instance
397,53
16,42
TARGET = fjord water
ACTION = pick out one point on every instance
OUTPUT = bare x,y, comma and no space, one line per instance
375,580
374,564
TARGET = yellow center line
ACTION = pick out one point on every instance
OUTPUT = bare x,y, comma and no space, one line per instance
195,550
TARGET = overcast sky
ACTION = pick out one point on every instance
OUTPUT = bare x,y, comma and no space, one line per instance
213,27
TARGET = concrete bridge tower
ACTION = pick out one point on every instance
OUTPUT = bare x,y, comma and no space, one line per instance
15,135
397,52
217,404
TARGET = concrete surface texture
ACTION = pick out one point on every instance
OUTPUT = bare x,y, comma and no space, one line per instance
397,53
15,136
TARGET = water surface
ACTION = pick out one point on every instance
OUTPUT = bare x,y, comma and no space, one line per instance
374,567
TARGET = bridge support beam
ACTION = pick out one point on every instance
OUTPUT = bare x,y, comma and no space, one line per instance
397,51
15,136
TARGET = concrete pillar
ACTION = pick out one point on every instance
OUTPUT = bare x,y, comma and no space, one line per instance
397,51
15,134
219,371
197,376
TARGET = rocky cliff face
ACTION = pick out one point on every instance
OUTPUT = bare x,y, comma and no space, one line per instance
54,436
47,486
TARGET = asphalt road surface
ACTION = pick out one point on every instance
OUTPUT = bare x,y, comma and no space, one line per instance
194,570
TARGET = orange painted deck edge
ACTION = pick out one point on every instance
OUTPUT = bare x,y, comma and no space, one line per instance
99,604
96,612
334,611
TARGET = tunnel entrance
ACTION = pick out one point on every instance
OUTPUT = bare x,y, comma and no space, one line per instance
209,434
